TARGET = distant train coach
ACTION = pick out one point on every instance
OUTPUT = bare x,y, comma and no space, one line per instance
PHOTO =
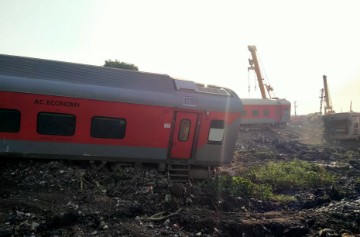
51,109
341,126
257,112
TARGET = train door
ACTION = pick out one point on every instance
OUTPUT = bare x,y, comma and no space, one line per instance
183,137
356,125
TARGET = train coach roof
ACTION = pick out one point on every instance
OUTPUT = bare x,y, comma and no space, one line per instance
39,76
250,101
81,73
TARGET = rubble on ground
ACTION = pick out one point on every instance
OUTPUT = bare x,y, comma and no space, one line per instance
63,198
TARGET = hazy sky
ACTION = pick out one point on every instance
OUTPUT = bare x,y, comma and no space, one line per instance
204,41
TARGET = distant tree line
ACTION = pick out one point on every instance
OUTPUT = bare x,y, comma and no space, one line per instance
120,65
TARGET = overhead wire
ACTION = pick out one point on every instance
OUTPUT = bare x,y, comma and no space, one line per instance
251,79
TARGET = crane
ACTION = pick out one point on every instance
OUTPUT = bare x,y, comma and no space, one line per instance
325,97
321,99
254,65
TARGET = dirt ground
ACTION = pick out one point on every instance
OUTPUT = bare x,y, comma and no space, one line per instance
62,198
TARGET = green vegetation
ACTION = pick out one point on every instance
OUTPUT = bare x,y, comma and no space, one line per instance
120,65
267,181
349,155
292,175
265,155
238,186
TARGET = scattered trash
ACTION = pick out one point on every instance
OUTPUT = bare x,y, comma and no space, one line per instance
58,198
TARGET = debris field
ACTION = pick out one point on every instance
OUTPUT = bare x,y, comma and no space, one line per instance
67,198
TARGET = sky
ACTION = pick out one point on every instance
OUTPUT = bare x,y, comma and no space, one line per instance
203,41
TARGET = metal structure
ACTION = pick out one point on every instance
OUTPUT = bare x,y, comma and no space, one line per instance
269,110
254,65
342,126
321,99
265,112
325,96
51,109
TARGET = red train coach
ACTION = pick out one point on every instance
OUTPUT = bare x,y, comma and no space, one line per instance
275,112
51,109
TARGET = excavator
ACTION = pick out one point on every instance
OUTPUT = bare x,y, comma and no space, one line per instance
338,126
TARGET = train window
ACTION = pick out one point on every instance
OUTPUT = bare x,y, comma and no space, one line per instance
255,112
216,133
184,130
266,112
105,127
244,112
9,120
56,124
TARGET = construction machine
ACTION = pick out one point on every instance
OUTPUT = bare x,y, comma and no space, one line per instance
344,128
269,110
325,97
254,65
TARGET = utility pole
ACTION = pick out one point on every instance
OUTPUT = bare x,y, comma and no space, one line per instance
295,106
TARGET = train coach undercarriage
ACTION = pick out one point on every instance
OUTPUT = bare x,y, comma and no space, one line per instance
176,171
179,171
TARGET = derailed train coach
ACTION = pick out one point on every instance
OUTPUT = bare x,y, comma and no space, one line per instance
341,126
259,112
52,109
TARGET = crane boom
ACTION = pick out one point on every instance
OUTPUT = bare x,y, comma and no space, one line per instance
321,99
254,65
328,106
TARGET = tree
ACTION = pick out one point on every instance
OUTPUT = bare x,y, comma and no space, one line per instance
121,65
